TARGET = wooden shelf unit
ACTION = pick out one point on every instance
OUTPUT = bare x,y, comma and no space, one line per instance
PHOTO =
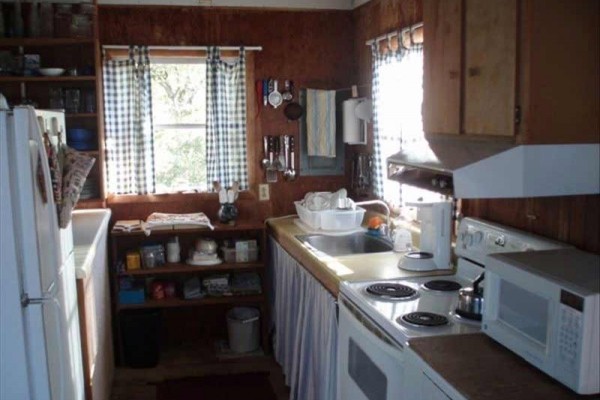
180,268
67,53
44,41
33,79
121,242
170,303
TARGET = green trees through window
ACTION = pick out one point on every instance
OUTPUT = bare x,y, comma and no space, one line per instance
179,118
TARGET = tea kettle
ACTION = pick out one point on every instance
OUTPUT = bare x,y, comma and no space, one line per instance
470,300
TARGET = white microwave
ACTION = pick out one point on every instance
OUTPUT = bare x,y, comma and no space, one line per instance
545,307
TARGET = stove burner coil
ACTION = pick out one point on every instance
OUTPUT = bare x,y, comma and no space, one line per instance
441,285
421,318
393,290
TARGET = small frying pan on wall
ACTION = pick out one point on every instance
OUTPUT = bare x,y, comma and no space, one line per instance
293,111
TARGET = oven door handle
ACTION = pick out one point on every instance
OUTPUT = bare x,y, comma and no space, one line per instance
369,331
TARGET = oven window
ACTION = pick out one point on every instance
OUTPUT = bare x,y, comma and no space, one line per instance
365,373
524,311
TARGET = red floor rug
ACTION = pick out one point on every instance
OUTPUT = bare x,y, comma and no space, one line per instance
254,386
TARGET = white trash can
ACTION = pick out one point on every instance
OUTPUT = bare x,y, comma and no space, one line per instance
243,329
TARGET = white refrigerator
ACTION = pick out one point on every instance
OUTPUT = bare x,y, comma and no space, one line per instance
40,347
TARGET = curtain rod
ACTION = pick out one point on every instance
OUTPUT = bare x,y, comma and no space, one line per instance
226,48
395,33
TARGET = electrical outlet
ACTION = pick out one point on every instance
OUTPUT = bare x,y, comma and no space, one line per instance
263,192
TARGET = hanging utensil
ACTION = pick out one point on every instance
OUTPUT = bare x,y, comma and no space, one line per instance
280,154
265,92
275,98
287,94
277,163
290,173
265,162
271,172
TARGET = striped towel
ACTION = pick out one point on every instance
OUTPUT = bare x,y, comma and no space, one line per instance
320,122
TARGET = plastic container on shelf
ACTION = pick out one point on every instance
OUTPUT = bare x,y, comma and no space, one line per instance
330,220
230,254
243,329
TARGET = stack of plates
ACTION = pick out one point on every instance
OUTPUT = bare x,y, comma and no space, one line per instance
90,189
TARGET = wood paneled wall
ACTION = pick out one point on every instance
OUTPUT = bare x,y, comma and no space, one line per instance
321,49
574,219
312,48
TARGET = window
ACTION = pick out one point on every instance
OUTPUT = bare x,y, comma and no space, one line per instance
174,120
398,96
179,119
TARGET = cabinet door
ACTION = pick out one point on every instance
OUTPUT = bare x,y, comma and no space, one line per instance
490,67
442,65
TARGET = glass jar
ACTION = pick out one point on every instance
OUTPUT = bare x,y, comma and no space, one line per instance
81,26
46,20
56,99
89,101
62,20
72,100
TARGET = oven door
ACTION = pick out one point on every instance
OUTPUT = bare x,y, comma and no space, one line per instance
370,363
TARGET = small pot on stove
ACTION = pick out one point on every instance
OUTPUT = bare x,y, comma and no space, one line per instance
470,300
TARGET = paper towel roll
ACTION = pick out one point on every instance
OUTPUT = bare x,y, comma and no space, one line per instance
353,126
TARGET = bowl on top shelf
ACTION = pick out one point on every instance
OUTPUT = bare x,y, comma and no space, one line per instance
80,135
81,139
51,71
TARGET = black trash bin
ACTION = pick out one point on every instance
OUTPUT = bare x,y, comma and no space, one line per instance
140,332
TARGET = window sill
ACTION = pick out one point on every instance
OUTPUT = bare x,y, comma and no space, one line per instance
173,197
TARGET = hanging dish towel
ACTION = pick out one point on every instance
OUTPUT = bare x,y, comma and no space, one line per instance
320,122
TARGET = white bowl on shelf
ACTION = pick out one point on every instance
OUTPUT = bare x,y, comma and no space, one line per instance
52,71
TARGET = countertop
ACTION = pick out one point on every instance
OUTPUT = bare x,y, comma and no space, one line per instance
331,271
479,368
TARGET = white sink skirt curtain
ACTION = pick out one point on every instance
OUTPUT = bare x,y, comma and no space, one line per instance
305,321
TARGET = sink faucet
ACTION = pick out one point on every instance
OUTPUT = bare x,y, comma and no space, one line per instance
388,233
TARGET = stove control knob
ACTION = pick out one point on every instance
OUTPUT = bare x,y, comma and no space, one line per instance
478,237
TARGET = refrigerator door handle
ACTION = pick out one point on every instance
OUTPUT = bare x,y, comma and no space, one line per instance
51,300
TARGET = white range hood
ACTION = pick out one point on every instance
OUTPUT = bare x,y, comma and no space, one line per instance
477,169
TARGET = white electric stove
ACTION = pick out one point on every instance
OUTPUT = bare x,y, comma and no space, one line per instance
378,318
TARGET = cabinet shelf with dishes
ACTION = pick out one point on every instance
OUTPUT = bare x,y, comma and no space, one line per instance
70,54
34,79
164,288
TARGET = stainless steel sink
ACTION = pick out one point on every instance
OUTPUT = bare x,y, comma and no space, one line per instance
356,243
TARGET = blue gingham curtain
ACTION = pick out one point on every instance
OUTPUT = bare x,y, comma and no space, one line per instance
226,119
397,117
128,128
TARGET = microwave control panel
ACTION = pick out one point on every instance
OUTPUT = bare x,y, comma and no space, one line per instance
569,335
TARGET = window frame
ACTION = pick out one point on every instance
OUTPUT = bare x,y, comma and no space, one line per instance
251,138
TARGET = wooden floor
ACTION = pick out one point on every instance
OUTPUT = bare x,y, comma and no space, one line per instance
188,361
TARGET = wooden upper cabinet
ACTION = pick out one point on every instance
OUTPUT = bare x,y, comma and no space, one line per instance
561,71
442,66
486,59
470,66
490,67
